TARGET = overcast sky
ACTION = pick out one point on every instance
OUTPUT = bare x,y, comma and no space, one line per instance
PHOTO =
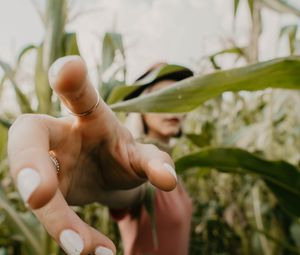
180,31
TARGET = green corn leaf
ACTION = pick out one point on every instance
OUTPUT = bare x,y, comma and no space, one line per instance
236,6
282,6
121,92
3,140
5,123
24,52
56,15
200,140
111,43
282,178
18,224
251,6
188,94
108,87
108,52
118,93
42,87
214,63
23,101
57,43
287,199
278,241
235,50
70,44
2,81
291,32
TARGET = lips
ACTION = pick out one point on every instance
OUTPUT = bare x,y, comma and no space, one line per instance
173,120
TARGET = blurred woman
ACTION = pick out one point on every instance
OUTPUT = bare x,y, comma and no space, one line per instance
167,230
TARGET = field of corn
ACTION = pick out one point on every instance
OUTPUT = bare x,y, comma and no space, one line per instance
239,155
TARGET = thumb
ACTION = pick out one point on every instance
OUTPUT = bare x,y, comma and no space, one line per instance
156,165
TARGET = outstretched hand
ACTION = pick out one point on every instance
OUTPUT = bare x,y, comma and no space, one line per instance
99,161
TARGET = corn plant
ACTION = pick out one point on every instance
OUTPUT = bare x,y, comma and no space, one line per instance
245,192
19,229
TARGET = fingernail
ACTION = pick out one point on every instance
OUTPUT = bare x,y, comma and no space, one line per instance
170,169
57,66
100,250
71,242
27,182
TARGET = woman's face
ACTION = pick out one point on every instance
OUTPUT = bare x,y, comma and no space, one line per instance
163,126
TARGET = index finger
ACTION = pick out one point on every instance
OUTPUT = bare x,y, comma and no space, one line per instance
68,77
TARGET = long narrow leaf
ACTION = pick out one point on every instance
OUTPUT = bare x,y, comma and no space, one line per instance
120,92
111,43
108,53
251,6
5,123
3,141
190,93
23,101
70,44
235,7
281,177
235,50
32,241
282,6
2,81
291,32
42,88
56,15
24,52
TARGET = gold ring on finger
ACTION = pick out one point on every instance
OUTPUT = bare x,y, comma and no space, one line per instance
54,161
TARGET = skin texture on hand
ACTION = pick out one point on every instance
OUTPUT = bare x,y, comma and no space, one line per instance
99,161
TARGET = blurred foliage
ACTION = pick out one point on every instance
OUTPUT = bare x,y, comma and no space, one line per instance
291,32
252,210
20,232
113,63
229,203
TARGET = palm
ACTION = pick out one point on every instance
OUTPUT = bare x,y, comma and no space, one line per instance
92,168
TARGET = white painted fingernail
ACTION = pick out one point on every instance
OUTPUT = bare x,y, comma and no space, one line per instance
103,251
170,169
71,242
57,66
27,182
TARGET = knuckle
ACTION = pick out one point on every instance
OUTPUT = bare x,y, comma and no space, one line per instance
24,119
152,147
18,121
165,155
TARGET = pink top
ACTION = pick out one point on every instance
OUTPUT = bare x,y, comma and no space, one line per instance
173,212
